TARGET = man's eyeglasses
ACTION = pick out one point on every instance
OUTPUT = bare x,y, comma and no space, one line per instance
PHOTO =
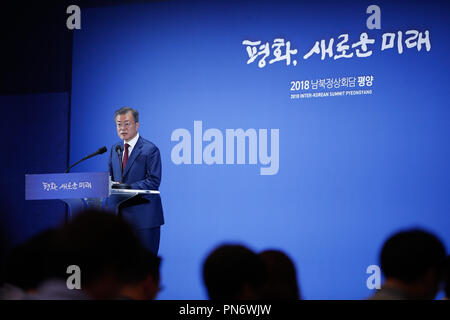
124,125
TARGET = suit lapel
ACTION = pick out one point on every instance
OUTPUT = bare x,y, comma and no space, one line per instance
134,154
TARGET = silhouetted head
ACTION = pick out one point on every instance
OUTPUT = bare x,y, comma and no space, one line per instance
105,249
26,265
143,280
416,259
281,280
233,272
447,278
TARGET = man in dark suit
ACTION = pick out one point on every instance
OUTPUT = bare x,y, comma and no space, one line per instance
141,169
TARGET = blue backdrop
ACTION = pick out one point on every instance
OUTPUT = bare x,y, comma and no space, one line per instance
37,127
353,168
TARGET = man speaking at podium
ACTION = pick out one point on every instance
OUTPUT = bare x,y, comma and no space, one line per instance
136,162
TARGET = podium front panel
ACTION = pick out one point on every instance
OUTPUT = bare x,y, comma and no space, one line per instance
66,185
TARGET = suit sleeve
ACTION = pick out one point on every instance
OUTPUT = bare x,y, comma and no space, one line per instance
153,172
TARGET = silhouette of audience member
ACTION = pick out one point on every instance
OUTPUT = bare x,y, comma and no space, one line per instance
281,283
412,262
105,249
143,282
25,266
447,279
233,272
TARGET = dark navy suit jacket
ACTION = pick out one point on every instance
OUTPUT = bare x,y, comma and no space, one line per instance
143,171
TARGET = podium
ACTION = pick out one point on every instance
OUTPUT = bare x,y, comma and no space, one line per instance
81,191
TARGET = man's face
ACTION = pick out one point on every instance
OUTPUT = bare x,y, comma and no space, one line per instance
127,128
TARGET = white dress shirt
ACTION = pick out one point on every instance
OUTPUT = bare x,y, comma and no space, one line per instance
131,144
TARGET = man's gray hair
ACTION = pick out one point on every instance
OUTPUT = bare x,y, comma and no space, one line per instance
125,110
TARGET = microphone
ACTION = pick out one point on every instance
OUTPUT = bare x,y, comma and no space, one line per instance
120,185
119,155
99,151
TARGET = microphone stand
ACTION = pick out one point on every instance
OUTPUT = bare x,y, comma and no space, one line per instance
120,185
99,151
